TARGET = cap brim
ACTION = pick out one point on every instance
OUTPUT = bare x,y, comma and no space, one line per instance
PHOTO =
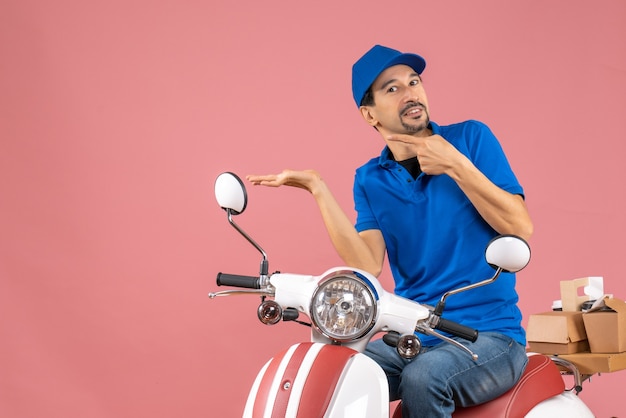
412,60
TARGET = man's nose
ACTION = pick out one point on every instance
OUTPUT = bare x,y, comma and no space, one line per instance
410,95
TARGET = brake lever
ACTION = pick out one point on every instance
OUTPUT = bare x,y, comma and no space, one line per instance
262,292
429,331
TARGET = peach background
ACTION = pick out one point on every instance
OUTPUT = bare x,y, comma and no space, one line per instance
116,117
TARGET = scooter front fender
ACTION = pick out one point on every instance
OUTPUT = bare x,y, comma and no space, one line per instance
313,380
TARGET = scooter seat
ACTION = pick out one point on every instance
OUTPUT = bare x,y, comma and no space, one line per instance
541,380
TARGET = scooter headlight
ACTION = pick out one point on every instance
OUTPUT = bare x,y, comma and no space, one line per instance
343,306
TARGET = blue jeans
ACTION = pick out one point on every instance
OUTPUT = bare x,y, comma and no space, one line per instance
442,376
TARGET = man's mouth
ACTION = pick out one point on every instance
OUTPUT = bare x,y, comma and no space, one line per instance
413,111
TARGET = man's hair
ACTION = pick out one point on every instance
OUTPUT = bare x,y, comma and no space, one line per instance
368,98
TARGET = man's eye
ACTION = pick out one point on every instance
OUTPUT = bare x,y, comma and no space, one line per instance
415,82
392,89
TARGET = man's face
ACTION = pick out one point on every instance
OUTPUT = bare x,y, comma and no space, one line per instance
400,103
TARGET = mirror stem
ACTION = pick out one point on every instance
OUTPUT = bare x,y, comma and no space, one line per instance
442,303
264,268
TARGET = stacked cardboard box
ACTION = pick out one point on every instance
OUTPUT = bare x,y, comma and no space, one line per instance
557,333
594,340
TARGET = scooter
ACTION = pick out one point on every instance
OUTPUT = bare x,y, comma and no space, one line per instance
329,376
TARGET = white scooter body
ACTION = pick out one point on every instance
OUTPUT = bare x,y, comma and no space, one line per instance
318,379
355,386
567,404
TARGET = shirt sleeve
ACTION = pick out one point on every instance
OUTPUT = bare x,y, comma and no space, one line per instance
365,218
488,156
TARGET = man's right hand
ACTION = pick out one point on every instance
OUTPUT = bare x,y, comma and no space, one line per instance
303,179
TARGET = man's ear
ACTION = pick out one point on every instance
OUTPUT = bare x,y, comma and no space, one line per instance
366,112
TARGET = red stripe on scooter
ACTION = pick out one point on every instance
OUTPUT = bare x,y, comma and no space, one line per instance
264,396
318,388
282,397
322,380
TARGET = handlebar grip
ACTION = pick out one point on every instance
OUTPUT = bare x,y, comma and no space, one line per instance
236,280
457,329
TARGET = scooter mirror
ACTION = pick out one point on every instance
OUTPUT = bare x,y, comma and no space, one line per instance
230,193
508,252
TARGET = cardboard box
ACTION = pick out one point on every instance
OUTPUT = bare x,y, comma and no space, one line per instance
589,363
557,333
571,298
606,329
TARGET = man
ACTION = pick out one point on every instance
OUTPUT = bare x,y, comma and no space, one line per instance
431,201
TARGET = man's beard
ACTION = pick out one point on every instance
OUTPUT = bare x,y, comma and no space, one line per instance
415,128
420,126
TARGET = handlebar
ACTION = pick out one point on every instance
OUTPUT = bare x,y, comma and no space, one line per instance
236,280
457,329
